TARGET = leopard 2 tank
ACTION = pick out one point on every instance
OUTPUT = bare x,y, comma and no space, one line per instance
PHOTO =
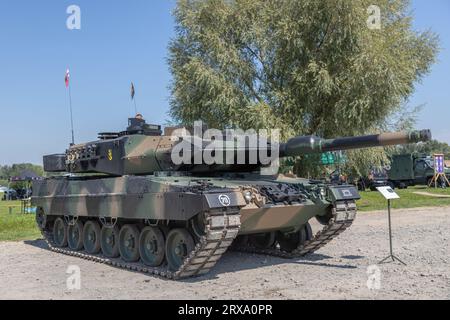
122,200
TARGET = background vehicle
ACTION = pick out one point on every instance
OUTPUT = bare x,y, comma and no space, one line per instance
9,194
411,169
377,177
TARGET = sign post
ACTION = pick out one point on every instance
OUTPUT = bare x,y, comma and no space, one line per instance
439,171
389,194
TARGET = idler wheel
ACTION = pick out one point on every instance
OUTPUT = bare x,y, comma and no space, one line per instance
60,233
198,225
91,237
179,244
325,219
129,243
290,241
263,240
75,236
41,219
109,241
151,246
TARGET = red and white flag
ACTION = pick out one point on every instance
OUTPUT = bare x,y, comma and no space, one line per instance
67,78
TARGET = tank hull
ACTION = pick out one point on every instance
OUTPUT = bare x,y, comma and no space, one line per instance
180,226
176,199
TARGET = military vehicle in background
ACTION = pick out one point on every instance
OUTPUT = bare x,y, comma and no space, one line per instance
412,169
377,177
134,208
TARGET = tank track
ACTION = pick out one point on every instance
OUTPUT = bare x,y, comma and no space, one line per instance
221,228
343,215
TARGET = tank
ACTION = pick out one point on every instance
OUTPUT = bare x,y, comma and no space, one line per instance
122,200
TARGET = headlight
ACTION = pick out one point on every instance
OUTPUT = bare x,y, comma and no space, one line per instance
248,196
323,192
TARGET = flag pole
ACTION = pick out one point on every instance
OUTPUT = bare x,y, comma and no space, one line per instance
135,106
67,81
71,115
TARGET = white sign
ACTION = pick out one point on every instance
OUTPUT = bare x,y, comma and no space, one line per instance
388,193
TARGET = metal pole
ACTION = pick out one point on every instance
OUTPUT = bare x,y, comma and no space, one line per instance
135,106
71,115
391,256
390,227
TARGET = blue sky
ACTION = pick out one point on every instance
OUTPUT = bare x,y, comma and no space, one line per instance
119,42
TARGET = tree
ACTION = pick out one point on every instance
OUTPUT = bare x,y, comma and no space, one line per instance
305,67
428,148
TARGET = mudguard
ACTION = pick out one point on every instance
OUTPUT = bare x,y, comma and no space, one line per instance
344,192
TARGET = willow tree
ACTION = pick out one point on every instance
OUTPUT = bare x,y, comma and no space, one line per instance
305,67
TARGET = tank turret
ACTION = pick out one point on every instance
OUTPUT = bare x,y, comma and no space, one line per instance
143,149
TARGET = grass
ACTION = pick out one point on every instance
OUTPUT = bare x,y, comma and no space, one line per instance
373,200
16,226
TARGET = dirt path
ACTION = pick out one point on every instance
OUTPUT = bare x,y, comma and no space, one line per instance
434,195
338,271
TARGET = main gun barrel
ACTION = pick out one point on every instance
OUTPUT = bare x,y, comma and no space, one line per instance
312,144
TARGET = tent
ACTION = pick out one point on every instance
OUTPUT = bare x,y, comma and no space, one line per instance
25,176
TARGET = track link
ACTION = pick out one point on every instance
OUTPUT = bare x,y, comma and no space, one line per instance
343,215
221,228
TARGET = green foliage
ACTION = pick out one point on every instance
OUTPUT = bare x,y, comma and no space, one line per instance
371,200
305,67
358,165
16,226
309,166
429,148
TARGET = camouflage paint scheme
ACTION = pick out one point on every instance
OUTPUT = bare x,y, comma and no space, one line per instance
124,197
181,198
172,193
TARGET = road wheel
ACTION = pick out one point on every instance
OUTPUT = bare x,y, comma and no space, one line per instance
109,241
179,244
262,240
290,241
240,241
129,243
60,233
308,230
75,236
91,237
152,246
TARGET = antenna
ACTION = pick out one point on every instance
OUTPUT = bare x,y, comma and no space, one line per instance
67,81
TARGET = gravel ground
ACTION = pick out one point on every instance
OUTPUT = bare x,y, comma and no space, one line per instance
337,271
